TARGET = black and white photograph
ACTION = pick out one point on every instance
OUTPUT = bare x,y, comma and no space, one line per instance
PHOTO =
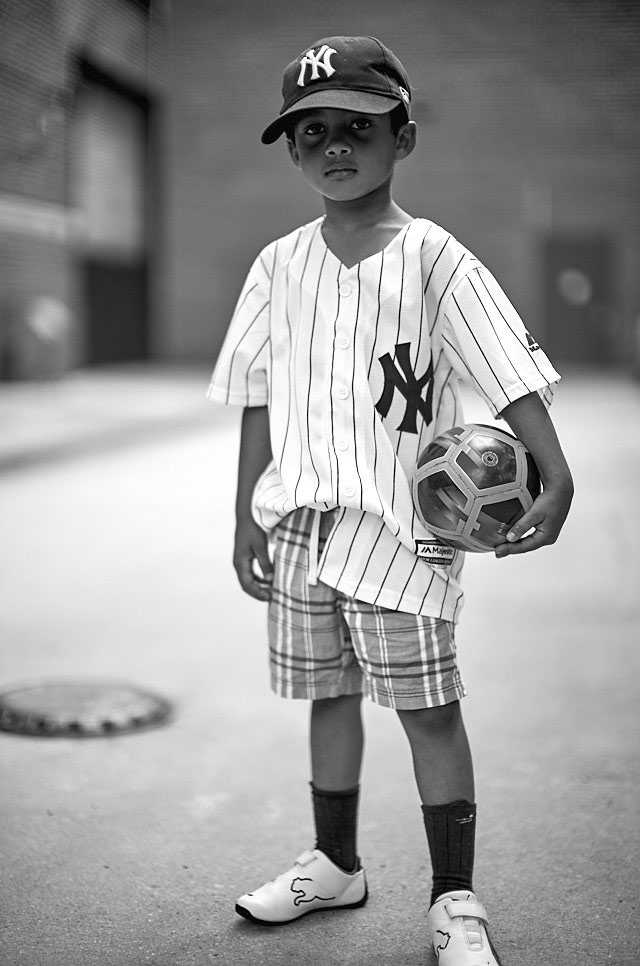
319,470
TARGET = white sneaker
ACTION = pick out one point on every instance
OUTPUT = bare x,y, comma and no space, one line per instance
458,929
314,883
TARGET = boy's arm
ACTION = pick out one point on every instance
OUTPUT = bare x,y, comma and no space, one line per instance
531,423
250,541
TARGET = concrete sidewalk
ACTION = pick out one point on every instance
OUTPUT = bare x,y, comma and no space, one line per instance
92,409
130,850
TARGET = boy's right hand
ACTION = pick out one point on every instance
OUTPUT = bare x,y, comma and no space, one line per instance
251,548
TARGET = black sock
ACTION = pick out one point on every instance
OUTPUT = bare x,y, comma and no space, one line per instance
336,818
451,834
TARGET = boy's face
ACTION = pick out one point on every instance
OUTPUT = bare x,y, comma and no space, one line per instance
346,155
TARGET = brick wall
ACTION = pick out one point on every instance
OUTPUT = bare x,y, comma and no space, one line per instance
40,42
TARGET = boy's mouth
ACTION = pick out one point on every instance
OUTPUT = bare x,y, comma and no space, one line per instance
339,173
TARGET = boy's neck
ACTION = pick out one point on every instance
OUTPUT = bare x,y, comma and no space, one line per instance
364,214
355,230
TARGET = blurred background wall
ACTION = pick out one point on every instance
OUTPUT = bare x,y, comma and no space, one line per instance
134,190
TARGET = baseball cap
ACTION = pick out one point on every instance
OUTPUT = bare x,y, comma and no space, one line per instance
348,73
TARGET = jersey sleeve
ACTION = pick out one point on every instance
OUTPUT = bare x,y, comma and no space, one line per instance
240,374
487,344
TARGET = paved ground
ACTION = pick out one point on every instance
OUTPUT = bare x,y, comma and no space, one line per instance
116,525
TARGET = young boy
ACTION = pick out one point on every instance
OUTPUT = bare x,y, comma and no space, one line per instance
346,349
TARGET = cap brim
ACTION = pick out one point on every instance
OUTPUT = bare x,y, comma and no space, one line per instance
342,100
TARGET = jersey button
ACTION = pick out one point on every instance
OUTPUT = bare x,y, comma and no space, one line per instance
344,342
345,291
342,443
343,392
349,490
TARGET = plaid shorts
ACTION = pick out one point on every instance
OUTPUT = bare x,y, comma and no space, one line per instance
324,644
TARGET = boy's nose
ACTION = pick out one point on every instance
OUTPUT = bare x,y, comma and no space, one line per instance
337,148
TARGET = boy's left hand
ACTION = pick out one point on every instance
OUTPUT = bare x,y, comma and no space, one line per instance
531,423
546,517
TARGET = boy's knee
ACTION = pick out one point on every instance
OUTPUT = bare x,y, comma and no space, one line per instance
342,701
431,720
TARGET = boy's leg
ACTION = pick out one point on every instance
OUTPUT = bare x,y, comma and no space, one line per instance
311,654
441,755
337,741
444,776
330,876
409,663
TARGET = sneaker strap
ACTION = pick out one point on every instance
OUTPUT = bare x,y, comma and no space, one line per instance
471,910
306,858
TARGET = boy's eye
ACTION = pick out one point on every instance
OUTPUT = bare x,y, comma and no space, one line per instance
317,128
361,123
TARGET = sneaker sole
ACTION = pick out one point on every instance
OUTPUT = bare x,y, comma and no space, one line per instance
494,950
285,922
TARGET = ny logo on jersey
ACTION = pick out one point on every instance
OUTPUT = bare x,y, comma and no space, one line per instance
317,62
404,380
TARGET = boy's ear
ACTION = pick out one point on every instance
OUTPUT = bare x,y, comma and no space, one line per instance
293,152
406,140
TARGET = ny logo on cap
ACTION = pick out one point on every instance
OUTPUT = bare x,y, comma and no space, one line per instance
317,62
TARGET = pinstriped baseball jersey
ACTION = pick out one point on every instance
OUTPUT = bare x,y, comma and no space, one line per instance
361,368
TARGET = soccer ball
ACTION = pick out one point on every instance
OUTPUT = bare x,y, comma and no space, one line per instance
471,485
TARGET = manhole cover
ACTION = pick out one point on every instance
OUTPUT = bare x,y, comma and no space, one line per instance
82,710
